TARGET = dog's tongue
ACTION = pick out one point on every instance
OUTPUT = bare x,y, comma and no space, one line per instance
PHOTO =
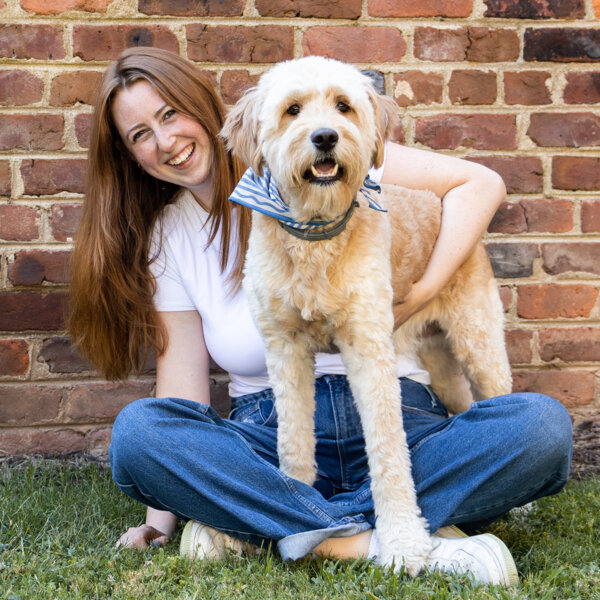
323,168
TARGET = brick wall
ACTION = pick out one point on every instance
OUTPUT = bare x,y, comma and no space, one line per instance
510,84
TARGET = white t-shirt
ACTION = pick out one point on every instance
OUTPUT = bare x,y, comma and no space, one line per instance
189,277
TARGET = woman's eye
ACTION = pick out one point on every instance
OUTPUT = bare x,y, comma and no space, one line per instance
138,135
342,107
293,110
169,113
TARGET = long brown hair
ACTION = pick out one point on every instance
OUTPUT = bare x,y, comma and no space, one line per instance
112,318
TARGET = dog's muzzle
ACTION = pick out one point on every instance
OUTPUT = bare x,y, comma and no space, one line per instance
325,170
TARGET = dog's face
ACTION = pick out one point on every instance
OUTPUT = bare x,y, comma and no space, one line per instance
318,125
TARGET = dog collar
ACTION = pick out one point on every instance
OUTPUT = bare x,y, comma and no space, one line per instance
261,194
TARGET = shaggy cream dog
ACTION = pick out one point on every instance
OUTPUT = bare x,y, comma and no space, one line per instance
317,126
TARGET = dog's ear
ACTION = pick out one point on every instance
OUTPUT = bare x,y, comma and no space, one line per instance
386,118
241,128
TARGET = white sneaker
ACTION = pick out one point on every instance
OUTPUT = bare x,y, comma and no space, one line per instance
200,542
484,557
450,532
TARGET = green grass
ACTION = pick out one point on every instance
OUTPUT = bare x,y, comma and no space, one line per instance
59,521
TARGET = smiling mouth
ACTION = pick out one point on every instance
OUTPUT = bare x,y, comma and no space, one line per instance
182,156
324,172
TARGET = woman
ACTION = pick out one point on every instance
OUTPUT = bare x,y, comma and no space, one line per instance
158,264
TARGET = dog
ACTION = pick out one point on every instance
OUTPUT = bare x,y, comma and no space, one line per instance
323,275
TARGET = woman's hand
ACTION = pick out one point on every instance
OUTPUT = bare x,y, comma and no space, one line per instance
142,537
417,298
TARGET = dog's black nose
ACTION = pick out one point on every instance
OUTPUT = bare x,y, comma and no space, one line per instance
324,139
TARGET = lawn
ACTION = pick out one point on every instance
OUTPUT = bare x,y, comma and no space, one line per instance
59,521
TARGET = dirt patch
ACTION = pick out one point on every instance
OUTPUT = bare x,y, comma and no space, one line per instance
586,450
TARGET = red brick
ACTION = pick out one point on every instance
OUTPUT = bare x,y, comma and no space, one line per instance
493,45
596,6
349,9
48,442
50,176
222,43
5,177
355,44
192,8
565,129
590,216
576,172
518,344
417,87
29,404
61,357
43,7
70,88
581,344
529,88
471,86
18,88
14,359
64,221
582,88
506,296
33,267
440,45
578,257
535,9
509,218
31,132
480,131
106,42
235,83
98,441
83,124
32,41
521,174
553,301
21,311
567,44
92,403
19,223
425,8
572,388
548,215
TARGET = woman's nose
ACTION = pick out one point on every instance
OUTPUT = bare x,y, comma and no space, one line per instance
164,139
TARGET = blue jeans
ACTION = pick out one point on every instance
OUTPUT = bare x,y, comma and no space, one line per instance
469,469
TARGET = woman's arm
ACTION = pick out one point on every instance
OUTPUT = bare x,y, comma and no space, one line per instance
471,194
181,372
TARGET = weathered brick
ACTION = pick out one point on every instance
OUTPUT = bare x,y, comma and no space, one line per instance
56,7
506,296
590,216
509,218
29,404
576,172
377,80
571,388
581,344
480,131
518,345
568,44
493,45
234,83
511,260
98,441
192,8
535,9
70,88
5,177
31,132
92,403
521,174
45,441
106,42
417,87
64,221
62,357
440,45
349,9
355,44
32,41
19,223
22,311
18,88
529,88
596,6
14,359
582,88
565,129
83,125
50,176
425,8
552,301
471,86
32,267
571,257
548,215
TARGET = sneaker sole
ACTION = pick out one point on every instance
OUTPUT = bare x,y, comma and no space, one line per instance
509,565
187,537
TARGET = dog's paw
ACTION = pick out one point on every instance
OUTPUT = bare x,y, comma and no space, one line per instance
409,550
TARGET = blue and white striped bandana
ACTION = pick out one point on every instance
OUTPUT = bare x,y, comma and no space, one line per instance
261,194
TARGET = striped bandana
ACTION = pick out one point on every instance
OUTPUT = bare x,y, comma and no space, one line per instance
261,194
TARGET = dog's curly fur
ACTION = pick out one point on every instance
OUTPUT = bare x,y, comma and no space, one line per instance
308,296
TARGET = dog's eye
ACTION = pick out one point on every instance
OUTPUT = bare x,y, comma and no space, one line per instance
342,107
293,110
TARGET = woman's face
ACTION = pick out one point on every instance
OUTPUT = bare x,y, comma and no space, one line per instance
166,143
